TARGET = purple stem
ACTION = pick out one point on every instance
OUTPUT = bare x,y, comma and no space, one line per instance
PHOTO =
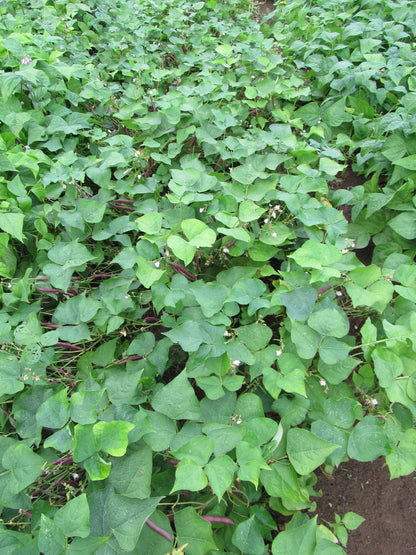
160,531
64,460
230,244
121,206
181,270
52,326
217,164
8,414
68,346
198,269
136,357
151,319
218,519
124,201
66,375
96,276
327,288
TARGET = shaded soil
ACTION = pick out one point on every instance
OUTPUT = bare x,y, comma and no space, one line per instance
389,507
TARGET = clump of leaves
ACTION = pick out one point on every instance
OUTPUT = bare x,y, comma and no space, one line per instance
180,288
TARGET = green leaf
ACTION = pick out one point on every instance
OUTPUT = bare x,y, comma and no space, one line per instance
329,321
74,517
332,351
54,412
251,461
254,336
97,468
282,482
127,517
248,538
92,211
12,223
404,224
10,379
248,211
177,400
150,223
403,460
69,255
316,255
181,248
146,273
299,302
352,521
194,531
198,233
198,450
86,546
220,472
51,540
210,296
24,466
112,436
330,167
300,540
306,451
189,475
408,162
368,440
131,475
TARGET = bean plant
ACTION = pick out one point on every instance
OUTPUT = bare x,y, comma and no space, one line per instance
189,327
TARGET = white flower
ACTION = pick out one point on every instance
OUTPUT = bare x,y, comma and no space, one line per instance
137,153
235,363
274,234
373,402
26,60
338,293
279,352
322,382
225,250
157,264
266,220
227,333
201,210
344,251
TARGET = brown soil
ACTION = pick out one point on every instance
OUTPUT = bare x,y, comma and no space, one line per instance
388,506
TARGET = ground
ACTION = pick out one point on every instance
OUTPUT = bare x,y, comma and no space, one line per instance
389,507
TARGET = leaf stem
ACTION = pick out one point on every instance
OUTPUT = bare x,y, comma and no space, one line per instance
159,530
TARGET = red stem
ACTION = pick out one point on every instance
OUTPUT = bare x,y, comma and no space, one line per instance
324,289
124,201
96,276
52,326
66,375
159,530
121,206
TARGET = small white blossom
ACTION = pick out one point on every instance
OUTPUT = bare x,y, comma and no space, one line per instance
235,363
27,147
322,383
344,251
123,333
227,333
225,250
157,264
279,352
26,60
373,402
75,476
201,210
238,421
338,293
266,220
273,214
137,153
274,234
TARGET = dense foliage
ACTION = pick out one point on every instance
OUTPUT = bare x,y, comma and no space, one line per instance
187,330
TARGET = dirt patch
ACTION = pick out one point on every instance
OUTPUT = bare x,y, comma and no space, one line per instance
389,507
263,8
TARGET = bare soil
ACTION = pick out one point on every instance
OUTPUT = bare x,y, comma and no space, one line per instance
388,506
